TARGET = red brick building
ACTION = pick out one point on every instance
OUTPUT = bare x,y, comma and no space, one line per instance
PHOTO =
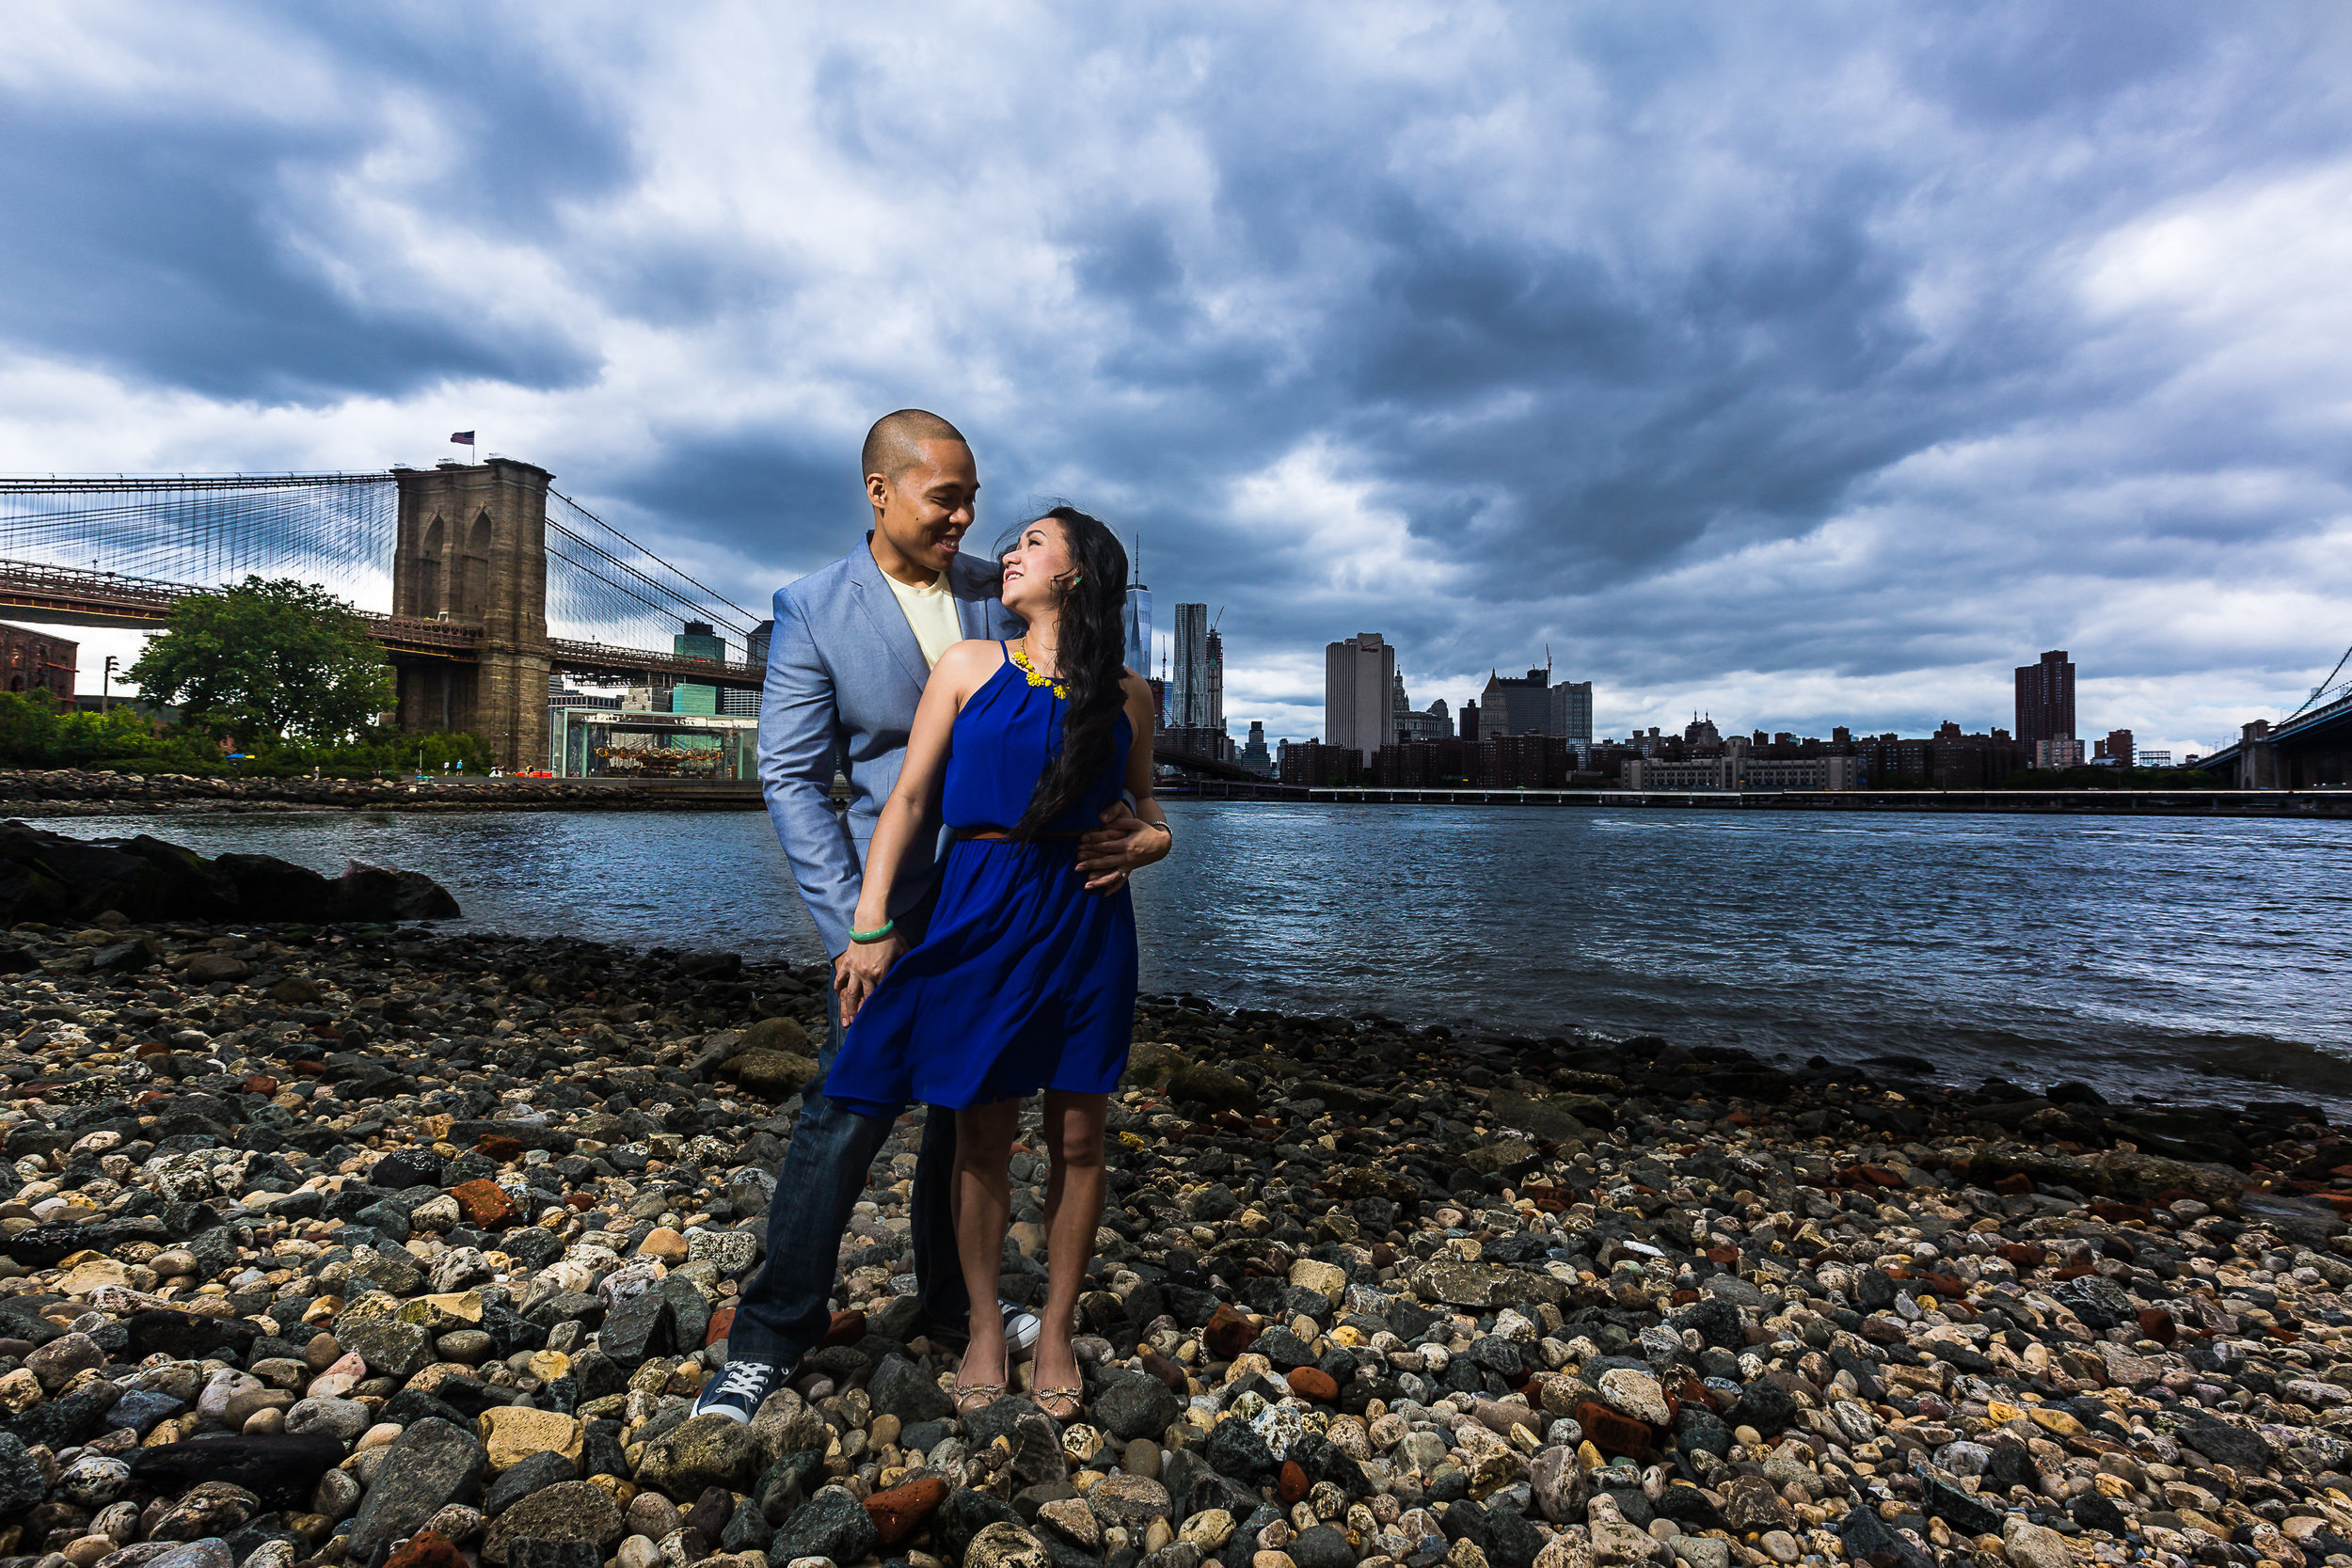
1313,763
38,660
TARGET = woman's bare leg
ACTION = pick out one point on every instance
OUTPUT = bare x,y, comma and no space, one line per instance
1073,1135
983,1208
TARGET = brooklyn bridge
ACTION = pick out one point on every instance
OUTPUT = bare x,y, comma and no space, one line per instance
490,581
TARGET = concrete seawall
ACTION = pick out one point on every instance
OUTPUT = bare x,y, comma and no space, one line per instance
2030,802
69,792
72,792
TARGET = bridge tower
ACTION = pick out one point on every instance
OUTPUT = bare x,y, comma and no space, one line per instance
472,548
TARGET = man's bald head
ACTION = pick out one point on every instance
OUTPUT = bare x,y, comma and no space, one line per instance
922,484
894,443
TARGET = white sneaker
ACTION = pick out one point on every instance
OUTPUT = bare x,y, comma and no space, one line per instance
1022,1327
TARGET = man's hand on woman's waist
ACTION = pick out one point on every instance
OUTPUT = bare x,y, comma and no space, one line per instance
1122,844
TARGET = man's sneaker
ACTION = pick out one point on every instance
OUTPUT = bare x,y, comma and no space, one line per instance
739,1391
1021,1327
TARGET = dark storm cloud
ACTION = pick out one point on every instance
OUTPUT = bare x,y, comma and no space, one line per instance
182,240
775,497
159,253
1692,341
1562,426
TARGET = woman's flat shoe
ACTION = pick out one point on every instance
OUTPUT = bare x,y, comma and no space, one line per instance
976,1395
1062,1405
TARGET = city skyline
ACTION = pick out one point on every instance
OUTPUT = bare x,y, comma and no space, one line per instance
1806,366
2042,706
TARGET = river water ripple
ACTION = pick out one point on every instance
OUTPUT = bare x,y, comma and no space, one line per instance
2144,955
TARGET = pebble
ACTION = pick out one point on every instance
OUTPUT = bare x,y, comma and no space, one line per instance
384,1214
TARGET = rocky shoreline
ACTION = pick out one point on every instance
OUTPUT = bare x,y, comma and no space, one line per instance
77,792
351,1243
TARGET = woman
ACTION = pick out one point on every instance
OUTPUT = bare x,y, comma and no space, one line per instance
1026,979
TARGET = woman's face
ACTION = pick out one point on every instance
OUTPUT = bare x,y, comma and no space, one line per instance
1036,562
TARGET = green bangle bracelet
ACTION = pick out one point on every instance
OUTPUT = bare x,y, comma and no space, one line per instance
876,934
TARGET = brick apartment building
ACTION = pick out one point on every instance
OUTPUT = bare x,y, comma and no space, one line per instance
39,660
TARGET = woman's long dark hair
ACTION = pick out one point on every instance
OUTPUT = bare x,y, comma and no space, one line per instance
1092,664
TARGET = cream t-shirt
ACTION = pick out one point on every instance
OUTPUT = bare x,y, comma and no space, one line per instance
932,613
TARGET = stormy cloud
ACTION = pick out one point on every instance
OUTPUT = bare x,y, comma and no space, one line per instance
1805,366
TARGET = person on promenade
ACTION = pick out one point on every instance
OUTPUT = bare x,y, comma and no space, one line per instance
854,644
1024,981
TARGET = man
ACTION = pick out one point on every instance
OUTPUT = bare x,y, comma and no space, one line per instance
853,644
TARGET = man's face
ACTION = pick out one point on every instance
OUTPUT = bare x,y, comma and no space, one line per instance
924,511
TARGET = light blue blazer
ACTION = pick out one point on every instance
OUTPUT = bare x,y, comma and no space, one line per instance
845,674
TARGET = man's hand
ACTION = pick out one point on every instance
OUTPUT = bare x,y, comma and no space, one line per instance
857,971
1122,843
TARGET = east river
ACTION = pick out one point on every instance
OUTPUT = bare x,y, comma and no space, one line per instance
2145,955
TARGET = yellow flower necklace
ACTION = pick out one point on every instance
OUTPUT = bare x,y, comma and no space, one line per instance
1020,656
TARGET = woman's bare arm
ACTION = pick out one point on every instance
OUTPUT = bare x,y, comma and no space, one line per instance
1139,767
913,805
1128,841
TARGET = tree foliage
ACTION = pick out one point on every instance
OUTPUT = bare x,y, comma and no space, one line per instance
267,658
36,732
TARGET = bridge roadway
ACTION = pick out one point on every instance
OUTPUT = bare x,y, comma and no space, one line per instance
2314,748
63,595
74,598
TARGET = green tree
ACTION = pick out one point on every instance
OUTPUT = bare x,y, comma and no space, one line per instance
28,728
267,658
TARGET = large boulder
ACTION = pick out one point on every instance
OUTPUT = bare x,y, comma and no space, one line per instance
770,1074
370,892
432,1464
702,1453
46,875
1482,1284
1129,1406
54,876
271,889
833,1524
568,1511
1213,1089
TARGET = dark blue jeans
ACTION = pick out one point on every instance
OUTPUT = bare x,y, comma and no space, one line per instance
783,1313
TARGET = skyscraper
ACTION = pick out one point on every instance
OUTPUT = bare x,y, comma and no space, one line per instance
1359,694
1516,704
1254,756
1572,715
1138,618
1215,720
1530,704
1188,684
2045,699
1413,725
755,646
699,641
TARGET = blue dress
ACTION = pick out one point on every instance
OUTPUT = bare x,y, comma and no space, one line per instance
1024,980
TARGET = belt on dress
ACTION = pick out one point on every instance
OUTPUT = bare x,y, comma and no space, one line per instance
995,835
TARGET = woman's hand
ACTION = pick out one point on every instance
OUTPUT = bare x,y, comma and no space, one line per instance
1124,843
857,971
